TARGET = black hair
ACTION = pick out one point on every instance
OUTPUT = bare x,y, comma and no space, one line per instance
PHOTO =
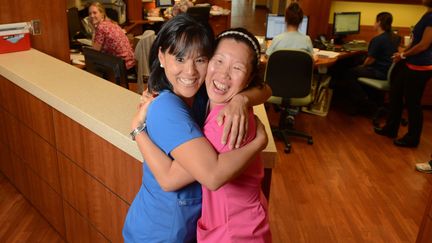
428,3
293,14
385,20
244,36
181,36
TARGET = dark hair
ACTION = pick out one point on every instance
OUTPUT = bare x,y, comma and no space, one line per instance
385,20
293,14
181,36
428,3
244,36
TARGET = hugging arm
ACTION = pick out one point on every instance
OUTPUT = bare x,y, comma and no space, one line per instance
234,116
197,160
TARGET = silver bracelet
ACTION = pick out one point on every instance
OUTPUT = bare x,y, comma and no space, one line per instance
137,130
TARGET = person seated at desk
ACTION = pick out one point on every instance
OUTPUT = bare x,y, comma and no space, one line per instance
379,59
291,38
109,37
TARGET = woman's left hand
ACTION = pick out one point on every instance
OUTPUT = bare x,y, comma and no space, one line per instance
234,118
140,115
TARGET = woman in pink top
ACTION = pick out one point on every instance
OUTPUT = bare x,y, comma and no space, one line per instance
237,210
109,37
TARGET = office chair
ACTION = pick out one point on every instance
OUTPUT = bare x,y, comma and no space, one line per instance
200,13
106,66
384,86
289,73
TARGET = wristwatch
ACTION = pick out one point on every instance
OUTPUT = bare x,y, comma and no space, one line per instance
137,130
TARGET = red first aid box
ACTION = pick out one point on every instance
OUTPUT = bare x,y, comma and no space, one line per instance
14,37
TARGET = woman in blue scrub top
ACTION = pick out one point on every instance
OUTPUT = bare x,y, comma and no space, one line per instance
179,60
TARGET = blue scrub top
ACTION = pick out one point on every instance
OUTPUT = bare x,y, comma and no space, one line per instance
156,215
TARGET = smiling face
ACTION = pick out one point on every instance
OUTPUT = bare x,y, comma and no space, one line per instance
229,70
96,15
186,74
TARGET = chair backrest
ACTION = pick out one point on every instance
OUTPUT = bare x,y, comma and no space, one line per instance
289,73
142,54
390,72
106,66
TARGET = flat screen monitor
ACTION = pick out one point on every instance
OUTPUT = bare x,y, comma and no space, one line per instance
303,27
345,23
164,3
276,25
74,23
106,66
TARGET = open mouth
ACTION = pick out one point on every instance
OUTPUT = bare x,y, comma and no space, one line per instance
220,87
188,82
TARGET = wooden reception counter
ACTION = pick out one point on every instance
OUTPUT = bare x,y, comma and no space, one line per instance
64,144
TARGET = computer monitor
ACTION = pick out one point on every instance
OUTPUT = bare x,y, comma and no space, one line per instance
276,25
303,27
164,3
74,24
116,12
106,66
345,23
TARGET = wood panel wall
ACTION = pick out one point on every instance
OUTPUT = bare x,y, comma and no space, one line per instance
79,182
134,9
52,14
318,12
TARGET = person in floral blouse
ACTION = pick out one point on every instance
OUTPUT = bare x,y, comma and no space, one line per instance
109,37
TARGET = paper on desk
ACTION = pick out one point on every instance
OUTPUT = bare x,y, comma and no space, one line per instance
77,58
329,54
151,18
86,42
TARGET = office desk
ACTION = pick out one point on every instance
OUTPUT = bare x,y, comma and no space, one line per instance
269,154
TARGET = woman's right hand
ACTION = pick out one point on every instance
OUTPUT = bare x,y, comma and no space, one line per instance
261,135
396,57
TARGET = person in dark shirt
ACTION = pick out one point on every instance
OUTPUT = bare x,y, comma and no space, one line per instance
413,70
379,59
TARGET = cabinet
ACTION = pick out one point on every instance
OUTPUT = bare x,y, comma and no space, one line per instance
79,182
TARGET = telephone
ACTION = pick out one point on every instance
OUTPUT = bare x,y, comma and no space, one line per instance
321,43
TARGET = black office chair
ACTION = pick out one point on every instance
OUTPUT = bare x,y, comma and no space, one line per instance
106,66
289,73
200,13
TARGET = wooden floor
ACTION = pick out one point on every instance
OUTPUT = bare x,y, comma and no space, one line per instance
19,221
349,186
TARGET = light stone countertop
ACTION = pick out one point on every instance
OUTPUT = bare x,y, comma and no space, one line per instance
99,105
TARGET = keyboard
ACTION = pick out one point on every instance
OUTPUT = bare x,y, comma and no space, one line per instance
86,42
359,46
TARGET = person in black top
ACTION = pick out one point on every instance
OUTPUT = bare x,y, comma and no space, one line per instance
379,59
413,70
